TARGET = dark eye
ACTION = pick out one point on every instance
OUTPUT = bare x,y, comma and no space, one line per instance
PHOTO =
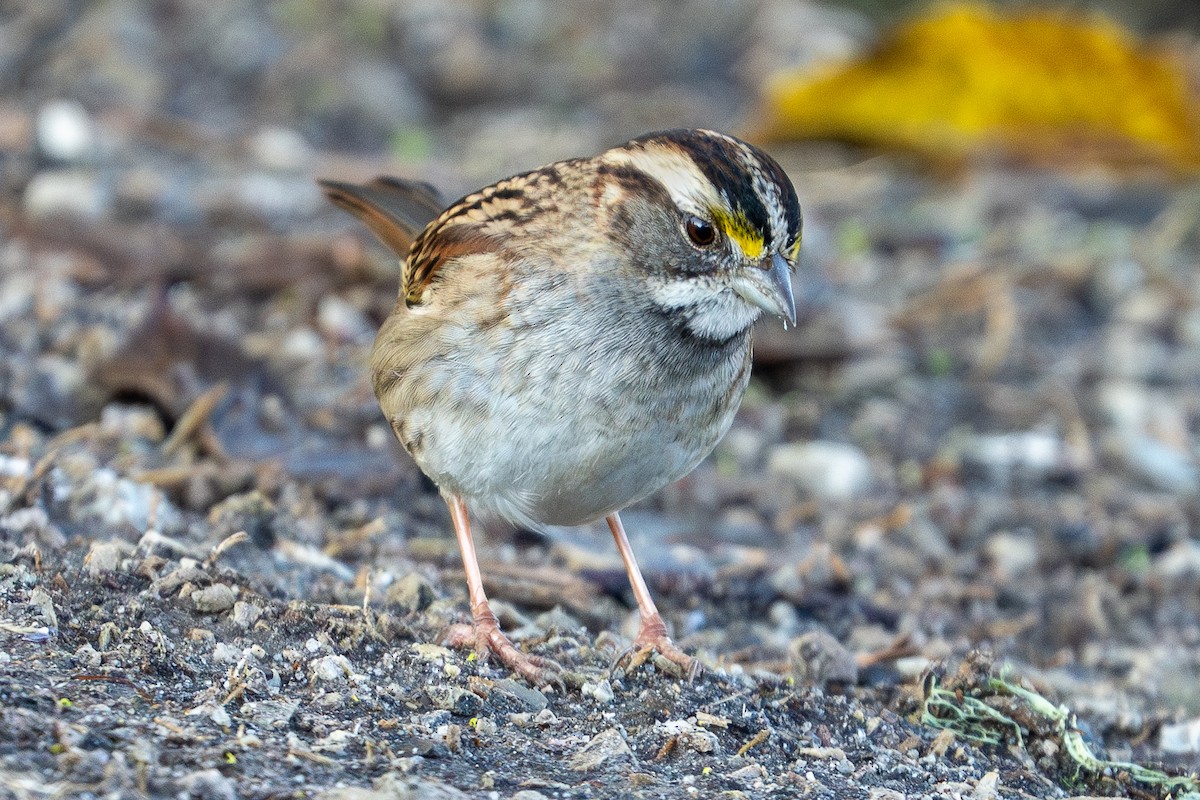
700,231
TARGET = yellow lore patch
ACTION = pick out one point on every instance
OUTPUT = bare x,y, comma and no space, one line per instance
739,229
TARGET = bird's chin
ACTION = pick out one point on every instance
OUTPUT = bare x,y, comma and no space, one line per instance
708,310
722,318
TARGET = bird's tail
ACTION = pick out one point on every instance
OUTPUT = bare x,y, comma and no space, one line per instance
395,210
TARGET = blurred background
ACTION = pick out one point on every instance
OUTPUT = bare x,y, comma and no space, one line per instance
475,90
996,380
985,432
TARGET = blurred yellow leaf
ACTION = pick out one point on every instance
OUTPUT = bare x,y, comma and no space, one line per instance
967,79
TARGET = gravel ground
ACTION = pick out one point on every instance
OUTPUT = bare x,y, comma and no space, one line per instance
968,480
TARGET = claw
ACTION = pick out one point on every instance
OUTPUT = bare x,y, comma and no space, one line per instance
652,639
487,640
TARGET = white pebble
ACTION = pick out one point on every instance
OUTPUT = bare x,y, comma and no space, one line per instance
280,148
1180,737
303,344
64,130
14,466
74,193
1012,554
330,668
1036,453
829,470
343,321
601,691
212,599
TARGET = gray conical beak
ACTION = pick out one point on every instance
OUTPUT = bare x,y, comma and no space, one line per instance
769,286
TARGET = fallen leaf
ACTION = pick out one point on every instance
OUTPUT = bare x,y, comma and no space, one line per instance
1040,85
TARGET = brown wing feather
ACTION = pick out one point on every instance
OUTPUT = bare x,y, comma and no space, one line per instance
471,225
405,215
439,243
402,213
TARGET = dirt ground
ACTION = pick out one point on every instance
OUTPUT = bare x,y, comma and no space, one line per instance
948,550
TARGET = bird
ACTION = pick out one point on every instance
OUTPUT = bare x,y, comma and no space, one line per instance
569,340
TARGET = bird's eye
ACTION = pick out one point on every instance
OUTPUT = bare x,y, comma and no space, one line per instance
700,231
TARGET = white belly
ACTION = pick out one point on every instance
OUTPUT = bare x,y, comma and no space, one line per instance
562,466
577,446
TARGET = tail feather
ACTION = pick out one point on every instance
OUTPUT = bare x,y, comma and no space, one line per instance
396,210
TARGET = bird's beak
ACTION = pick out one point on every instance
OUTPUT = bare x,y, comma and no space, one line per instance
769,286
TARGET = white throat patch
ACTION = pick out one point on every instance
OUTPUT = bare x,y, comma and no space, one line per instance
711,311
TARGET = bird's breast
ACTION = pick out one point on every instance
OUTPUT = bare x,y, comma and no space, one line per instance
552,418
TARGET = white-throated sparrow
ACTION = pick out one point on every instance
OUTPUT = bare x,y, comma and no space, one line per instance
570,340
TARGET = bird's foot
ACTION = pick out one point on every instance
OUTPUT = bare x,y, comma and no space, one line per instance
485,636
652,639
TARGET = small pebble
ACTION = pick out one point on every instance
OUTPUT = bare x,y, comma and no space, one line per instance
690,736
749,775
985,789
427,651
86,656
1180,737
104,557
455,699
14,466
828,470
1032,454
1180,561
270,714
208,784
212,599
411,594
343,321
435,719
73,193
245,614
529,697
1012,554
330,668
601,691
225,653
280,148
817,657
605,748
1161,465
302,344
64,130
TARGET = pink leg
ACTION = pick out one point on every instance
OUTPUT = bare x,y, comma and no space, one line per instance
485,632
652,636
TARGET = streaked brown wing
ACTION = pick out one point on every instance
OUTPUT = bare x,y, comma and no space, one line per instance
432,251
405,215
